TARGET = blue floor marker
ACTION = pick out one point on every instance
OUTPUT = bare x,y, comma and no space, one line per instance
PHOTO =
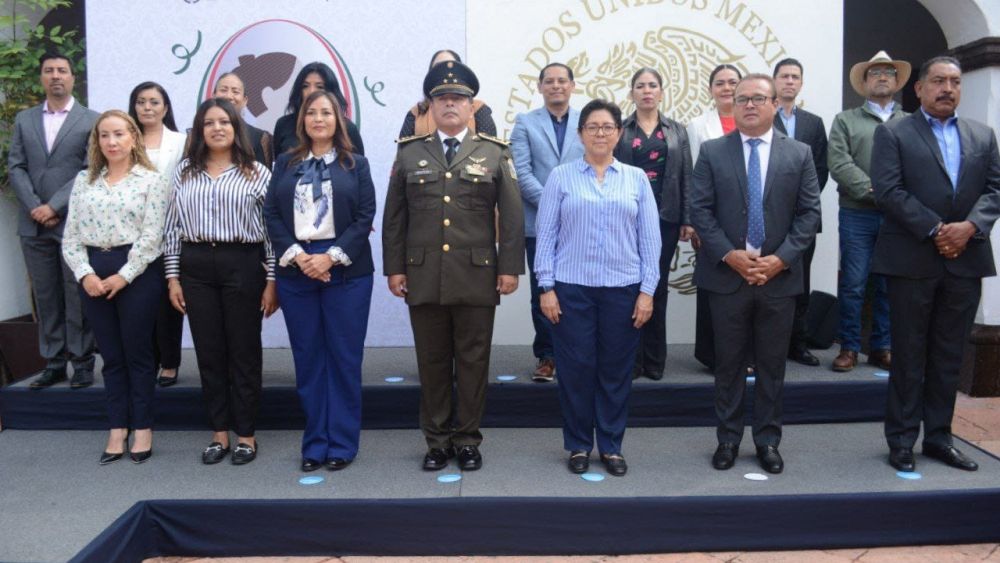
752,379
311,480
506,377
449,478
755,477
592,477
909,475
881,374
393,379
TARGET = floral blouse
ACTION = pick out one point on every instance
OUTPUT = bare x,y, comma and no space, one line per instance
104,216
650,154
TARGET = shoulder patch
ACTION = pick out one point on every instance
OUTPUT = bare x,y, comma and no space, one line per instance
500,142
405,140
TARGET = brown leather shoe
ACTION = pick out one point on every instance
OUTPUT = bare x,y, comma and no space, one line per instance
545,371
881,359
845,360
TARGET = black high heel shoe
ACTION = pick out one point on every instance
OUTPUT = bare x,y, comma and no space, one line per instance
107,457
141,457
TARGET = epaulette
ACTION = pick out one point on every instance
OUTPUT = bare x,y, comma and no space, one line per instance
500,142
405,140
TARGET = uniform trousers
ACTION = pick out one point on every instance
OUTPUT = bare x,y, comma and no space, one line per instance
930,323
750,323
123,327
453,344
595,345
652,355
223,284
327,323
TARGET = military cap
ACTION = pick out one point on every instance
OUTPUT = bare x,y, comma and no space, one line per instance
450,77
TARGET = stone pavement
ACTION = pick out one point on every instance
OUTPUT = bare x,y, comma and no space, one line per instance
976,420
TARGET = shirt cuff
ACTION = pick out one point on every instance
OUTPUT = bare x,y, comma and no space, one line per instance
290,255
128,272
82,271
338,255
172,265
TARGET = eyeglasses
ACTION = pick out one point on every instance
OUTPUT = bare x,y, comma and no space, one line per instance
607,129
880,72
755,100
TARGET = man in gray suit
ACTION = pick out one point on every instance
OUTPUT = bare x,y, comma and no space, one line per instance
47,151
936,178
541,140
755,205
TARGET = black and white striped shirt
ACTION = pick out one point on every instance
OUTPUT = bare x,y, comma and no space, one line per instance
228,208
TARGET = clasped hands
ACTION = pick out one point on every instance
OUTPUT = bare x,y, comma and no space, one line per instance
45,215
108,287
952,239
756,270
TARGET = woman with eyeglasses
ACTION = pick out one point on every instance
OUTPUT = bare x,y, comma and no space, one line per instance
597,264
150,107
313,76
712,124
658,145
419,121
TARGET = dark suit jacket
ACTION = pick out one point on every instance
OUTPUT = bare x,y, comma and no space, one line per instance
353,212
675,200
809,129
39,176
719,211
914,192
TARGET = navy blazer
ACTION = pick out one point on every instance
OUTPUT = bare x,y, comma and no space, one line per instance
353,213
719,200
913,190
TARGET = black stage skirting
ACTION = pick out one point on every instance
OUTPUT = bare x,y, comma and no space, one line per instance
510,526
517,405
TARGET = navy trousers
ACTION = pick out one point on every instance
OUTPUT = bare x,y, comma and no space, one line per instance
595,348
123,327
327,323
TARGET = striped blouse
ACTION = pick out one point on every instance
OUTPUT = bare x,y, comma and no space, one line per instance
228,208
598,235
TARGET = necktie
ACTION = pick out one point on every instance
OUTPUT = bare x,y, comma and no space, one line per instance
755,221
452,149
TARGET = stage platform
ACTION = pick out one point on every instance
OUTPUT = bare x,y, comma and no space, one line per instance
837,491
682,398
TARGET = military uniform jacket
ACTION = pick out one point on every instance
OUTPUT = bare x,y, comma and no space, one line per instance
439,226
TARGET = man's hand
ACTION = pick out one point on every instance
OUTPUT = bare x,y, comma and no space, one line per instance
51,223
643,310
43,213
269,299
952,238
766,268
113,284
549,304
506,284
742,262
397,285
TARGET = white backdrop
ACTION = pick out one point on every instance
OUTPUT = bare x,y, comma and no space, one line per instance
380,51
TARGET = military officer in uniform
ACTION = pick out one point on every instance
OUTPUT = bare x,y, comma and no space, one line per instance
443,254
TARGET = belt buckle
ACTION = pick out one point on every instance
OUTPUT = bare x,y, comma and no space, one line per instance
105,249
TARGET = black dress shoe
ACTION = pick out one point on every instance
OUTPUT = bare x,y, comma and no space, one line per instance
167,381
579,462
244,453
951,456
437,458
337,463
902,459
469,458
614,464
655,376
48,378
803,356
81,378
310,464
141,457
769,458
214,453
725,455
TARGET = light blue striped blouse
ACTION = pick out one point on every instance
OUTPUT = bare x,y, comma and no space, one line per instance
598,235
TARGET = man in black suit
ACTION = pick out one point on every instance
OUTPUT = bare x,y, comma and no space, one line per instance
750,260
936,178
808,128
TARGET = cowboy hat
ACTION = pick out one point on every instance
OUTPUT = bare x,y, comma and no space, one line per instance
859,70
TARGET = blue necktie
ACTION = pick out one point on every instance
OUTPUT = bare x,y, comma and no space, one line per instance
755,221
